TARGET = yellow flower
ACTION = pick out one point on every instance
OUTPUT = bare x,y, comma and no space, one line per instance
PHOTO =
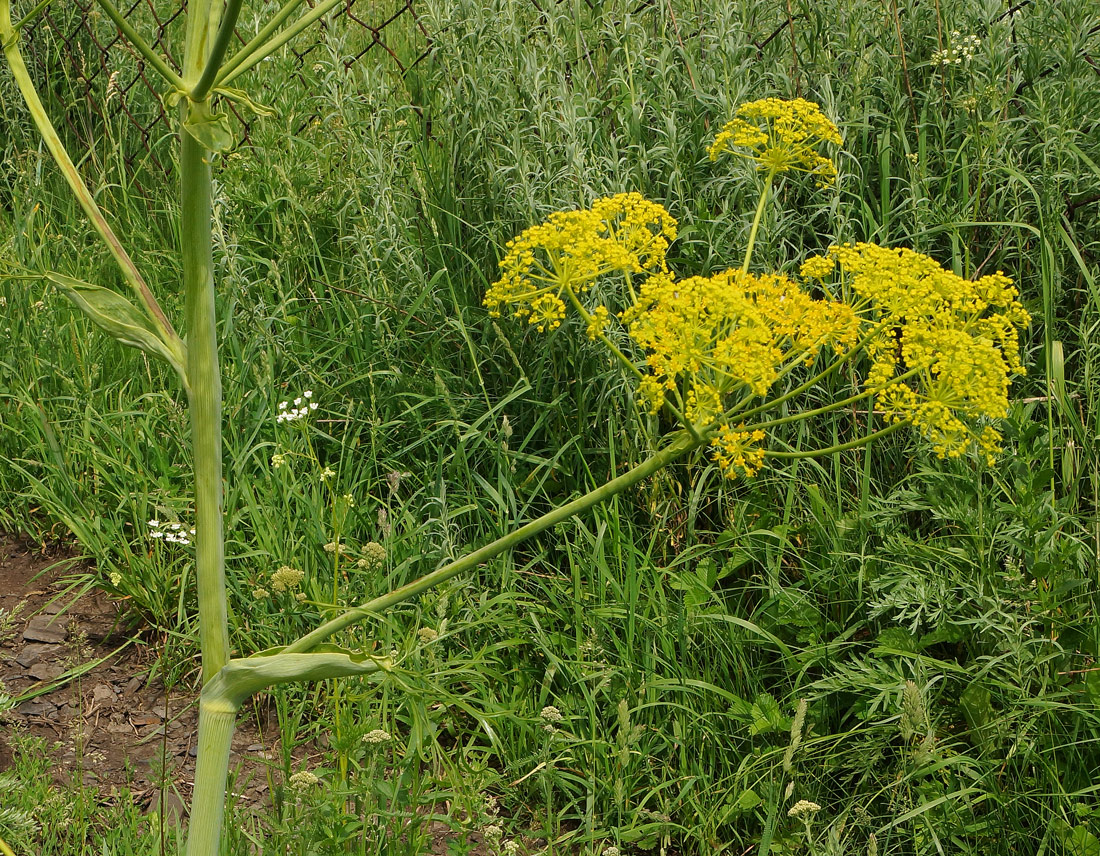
731,333
780,136
598,322
560,258
955,341
738,453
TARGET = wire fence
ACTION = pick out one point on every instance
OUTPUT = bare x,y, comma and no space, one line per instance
103,82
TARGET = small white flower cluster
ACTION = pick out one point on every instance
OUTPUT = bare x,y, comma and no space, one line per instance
803,807
551,714
300,410
303,780
173,533
286,578
376,736
964,50
493,833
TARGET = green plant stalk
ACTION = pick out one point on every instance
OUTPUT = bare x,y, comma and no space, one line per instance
31,15
265,32
205,400
217,720
130,273
840,447
682,444
217,716
219,703
140,45
756,220
244,64
217,50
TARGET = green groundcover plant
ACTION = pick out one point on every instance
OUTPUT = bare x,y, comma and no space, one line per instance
728,357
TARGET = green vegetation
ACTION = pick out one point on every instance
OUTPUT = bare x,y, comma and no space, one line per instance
908,643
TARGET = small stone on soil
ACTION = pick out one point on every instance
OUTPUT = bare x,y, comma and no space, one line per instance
45,628
36,708
36,652
45,671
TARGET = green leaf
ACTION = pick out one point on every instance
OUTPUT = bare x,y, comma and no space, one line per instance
746,802
766,716
118,317
210,129
1081,842
893,641
239,96
241,677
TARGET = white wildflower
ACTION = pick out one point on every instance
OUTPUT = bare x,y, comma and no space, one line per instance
303,780
301,408
286,578
803,807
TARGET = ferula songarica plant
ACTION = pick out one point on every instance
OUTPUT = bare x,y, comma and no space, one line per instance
720,352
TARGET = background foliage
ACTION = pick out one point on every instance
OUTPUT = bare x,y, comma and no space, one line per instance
937,618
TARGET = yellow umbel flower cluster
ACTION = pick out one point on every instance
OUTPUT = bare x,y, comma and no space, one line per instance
717,341
943,350
733,332
562,256
780,136
738,452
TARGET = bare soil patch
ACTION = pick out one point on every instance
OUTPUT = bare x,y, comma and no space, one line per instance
113,725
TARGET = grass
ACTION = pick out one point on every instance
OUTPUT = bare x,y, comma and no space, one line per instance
939,620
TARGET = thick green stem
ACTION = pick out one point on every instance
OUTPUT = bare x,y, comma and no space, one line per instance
217,50
206,402
680,446
217,718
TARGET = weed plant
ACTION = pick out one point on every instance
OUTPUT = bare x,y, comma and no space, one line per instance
938,621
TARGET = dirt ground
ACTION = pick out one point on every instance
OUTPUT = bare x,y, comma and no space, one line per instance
113,724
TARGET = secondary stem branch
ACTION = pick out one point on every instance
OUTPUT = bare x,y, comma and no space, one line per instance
680,446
